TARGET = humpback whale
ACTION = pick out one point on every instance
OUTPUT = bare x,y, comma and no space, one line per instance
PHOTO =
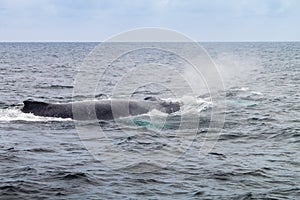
104,109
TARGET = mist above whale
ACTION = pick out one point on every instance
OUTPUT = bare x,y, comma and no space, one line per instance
101,109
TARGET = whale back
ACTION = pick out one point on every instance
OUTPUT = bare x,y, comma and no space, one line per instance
47,110
29,105
104,109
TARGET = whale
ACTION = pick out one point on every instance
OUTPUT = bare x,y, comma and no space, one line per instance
106,109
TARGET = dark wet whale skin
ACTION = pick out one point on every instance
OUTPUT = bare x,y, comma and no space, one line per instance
104,109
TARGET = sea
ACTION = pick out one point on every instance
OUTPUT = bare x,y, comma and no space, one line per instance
254,154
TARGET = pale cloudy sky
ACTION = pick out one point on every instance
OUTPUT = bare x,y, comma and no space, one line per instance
202,20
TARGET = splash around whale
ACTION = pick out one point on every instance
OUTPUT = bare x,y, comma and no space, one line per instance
101,109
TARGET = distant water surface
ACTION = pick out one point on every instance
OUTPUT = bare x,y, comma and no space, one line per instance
256,156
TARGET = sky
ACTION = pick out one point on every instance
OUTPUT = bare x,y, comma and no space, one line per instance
201,20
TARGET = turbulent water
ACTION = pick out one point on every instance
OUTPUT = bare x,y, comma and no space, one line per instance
257,154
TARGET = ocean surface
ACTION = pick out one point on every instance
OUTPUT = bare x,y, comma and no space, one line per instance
256,156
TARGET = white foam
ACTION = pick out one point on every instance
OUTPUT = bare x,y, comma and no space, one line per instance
257,93
14,114
190,105
155,112
244,89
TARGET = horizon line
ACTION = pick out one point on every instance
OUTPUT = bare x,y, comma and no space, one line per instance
209,41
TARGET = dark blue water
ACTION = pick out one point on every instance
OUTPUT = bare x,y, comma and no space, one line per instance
256,156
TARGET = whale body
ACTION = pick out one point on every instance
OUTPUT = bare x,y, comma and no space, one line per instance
101,109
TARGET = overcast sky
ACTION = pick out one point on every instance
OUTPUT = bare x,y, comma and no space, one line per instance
202,20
